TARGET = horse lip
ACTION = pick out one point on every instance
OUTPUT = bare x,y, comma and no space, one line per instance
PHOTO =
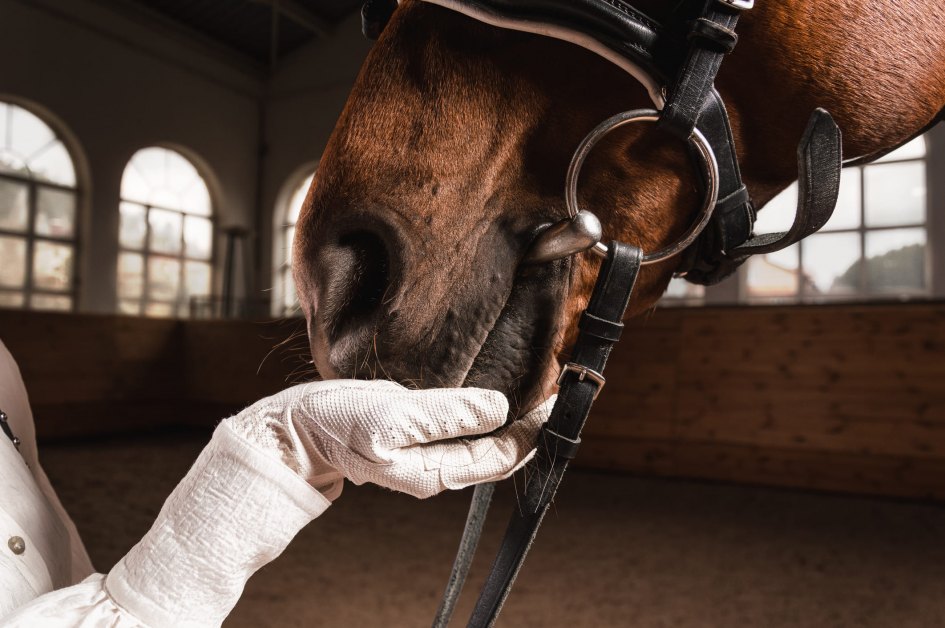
518,368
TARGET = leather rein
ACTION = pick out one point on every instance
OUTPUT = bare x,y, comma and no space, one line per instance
677,63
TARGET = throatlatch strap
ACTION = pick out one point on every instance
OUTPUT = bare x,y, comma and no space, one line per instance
580,382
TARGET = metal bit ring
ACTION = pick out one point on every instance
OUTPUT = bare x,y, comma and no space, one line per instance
697,139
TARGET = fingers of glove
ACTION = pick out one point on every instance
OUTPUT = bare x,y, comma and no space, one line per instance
542,412
461,463
373,423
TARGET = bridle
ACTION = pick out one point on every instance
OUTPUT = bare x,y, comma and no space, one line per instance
677,62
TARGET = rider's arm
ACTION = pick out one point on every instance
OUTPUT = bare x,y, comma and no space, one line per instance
269,471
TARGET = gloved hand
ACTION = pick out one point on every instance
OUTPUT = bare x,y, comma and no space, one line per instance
253,488
412,441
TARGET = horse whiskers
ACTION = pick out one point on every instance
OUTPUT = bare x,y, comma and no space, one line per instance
292,336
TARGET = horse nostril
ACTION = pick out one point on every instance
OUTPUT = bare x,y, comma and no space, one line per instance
358,282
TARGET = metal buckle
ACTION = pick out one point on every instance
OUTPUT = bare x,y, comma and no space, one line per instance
583,373
741,5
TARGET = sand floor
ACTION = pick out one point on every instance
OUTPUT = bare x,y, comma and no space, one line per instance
616,551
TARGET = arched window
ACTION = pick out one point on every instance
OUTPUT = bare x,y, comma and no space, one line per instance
165,235
38,207
287,302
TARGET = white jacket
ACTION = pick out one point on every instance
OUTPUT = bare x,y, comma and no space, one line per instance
31,517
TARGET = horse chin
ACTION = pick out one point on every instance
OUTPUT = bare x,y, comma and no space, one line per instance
518,357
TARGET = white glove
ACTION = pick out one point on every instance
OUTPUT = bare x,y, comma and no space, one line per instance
412,441
240,505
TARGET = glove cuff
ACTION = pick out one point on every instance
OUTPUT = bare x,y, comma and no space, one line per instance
235,511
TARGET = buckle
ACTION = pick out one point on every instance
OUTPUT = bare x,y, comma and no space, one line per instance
741,5
583,374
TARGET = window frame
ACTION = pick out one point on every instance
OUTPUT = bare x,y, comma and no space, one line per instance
864,293
180,305
34,183
146,254
734,290
282,271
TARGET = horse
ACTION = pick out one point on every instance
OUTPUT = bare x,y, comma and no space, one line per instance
453,147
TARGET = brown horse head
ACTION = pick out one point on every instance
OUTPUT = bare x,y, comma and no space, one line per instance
450,157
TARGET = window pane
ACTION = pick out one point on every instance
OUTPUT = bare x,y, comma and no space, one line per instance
196,199
163,177
163,278
13,268
895,261
52,266
198,237
134,187
130,275
129,307
290,300
913,150
847,213
54,165
679,288
831,264
133,227
296,200
895,194
55,212
778,214
289,239
58,302
10,162
197,279
28,134
165,231
11,299
161,310
14,213
773,275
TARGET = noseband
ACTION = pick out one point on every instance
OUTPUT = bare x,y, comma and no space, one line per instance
677,62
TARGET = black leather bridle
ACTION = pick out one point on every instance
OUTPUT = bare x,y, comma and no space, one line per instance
677,62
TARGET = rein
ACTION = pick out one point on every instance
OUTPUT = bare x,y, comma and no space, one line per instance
677,63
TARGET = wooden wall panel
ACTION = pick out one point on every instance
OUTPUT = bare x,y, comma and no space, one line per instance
94,374
832,397
846,398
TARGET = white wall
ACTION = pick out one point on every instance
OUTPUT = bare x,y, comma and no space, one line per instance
119,84
305,97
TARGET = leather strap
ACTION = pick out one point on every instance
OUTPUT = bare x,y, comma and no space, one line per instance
819,161
711,37
472,531
560,437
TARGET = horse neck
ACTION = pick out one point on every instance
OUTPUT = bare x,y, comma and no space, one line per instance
877,66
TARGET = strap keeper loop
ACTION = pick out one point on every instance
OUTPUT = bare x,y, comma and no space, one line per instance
713,35
564,447
600,327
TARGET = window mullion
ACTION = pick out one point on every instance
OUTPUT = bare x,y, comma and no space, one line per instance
30,243
146,253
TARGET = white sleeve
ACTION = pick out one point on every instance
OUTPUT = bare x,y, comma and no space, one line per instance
235,511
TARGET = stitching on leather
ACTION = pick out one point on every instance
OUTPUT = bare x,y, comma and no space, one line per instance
632,13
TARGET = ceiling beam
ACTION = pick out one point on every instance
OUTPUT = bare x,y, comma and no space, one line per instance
300,15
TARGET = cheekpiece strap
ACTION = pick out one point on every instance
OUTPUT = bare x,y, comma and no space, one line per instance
559,440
